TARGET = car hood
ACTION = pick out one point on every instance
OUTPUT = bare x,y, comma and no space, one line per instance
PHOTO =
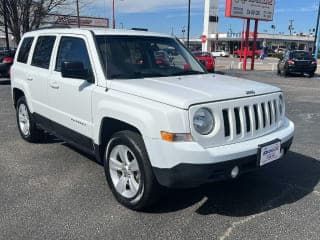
184,91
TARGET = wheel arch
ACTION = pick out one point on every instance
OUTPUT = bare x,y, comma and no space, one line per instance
110,126
16,94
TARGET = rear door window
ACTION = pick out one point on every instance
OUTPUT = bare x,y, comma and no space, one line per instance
42,52
25,50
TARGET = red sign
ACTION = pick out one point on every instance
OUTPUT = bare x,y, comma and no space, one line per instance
204,38
253,9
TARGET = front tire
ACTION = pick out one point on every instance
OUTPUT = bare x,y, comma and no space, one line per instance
129,172
26,123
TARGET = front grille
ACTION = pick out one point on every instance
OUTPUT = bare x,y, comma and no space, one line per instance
241,119
250,119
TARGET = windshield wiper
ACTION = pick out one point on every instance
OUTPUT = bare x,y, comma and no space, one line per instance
187,72
136,74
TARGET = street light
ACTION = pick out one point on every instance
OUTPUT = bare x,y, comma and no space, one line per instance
113,14
291,28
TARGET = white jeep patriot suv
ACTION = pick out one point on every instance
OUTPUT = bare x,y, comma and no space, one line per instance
146,108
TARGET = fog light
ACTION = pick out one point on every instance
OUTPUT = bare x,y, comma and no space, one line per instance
235,172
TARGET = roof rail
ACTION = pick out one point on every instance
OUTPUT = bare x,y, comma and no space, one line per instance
140,29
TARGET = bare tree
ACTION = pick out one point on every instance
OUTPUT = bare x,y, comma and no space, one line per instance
26,15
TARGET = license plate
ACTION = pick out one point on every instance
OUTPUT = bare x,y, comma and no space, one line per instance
269,152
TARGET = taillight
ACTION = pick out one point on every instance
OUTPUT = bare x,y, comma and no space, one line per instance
7,60
314,62
291,62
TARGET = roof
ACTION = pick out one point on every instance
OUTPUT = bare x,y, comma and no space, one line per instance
96,31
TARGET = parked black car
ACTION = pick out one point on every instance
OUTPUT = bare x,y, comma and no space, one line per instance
297,61
6,60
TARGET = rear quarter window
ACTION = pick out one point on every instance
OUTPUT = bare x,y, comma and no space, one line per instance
42,52
25,50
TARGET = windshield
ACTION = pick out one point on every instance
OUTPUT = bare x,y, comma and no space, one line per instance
126,57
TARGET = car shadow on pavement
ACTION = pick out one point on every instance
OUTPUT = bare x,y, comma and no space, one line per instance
4,81
49,138
279,184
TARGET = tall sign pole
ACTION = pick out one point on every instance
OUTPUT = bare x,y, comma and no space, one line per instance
246,46
5,23
256,10
210,24
316,37
254,46
188,34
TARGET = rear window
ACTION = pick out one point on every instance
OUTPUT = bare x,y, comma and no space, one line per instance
42,52
301,55
24,50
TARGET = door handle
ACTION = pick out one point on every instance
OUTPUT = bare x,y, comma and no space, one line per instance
29,78
54,85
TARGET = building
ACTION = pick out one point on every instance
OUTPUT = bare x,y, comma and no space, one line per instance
210,23
232,41
72,21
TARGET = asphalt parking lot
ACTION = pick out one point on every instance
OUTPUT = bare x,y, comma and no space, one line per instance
52,191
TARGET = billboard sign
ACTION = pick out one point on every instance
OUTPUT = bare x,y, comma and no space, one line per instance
73,21
250,9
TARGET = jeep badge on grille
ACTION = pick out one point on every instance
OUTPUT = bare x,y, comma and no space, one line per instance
251,92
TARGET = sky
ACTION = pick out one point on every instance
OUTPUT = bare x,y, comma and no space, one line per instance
166,16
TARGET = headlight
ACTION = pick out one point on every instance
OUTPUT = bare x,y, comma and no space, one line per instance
203,121
281,105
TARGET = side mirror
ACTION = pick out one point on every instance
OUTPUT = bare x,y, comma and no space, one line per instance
75,70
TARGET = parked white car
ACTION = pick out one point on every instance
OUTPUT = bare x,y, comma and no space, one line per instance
150,123
220,53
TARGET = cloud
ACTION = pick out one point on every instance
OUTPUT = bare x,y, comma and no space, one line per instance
312,8
143,6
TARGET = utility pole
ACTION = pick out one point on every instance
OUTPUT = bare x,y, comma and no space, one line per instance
316,39
188,34
78,13
5,23
113,16
291,28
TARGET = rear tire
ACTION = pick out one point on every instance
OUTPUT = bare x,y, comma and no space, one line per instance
311,75
128,171
285,73
26,123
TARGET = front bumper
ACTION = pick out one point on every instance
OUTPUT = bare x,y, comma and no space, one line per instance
192,175
182,165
